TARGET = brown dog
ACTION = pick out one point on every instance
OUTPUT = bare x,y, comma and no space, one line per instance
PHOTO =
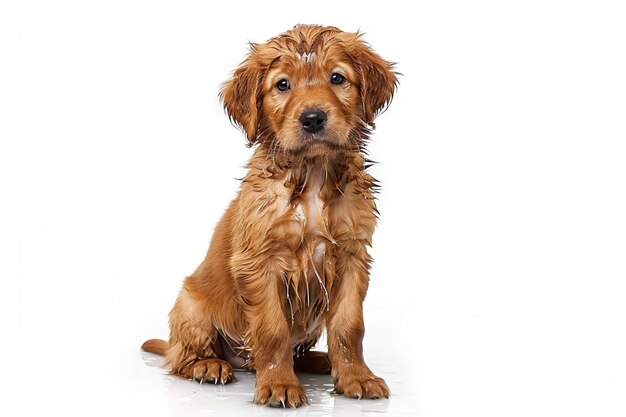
290,255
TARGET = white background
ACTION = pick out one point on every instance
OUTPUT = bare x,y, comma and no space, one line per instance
498,285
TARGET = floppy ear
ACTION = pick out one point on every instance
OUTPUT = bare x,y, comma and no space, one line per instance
377,78
241,96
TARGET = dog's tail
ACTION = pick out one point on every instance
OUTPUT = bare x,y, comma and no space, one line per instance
157,346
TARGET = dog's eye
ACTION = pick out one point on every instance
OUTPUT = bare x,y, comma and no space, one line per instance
337,78
282,85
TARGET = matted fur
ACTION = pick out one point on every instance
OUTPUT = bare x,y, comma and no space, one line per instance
290,257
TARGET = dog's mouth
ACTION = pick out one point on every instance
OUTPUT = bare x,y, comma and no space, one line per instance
317,143
295,141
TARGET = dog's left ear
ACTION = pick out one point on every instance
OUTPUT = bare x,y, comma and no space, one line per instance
241,96
377,78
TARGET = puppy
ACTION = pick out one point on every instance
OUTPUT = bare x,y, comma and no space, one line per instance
289,258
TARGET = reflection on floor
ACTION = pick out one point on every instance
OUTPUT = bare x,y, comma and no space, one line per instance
191,398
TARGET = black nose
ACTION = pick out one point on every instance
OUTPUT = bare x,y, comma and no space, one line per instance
313,120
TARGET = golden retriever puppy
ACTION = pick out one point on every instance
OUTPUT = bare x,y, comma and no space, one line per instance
289,258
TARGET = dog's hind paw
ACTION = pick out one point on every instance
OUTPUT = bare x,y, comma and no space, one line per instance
212,371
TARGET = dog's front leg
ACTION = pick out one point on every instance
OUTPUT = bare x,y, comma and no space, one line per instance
269,335
346,329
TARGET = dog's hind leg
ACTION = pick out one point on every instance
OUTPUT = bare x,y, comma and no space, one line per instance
194,349
312,362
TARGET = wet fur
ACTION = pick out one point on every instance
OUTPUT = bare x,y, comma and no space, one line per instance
289,258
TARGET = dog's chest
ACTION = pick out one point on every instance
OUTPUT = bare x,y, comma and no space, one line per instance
312,219
311,283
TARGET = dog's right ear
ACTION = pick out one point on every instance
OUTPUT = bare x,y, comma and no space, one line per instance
241,96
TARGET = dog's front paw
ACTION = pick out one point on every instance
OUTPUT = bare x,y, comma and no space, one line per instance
361,386
280,394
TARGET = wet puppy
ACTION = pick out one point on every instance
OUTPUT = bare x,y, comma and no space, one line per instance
290,257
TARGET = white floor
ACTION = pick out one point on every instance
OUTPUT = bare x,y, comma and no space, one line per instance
121,380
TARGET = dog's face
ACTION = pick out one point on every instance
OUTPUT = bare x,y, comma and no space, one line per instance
309,91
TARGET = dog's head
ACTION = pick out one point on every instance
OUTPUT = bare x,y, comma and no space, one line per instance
309,90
